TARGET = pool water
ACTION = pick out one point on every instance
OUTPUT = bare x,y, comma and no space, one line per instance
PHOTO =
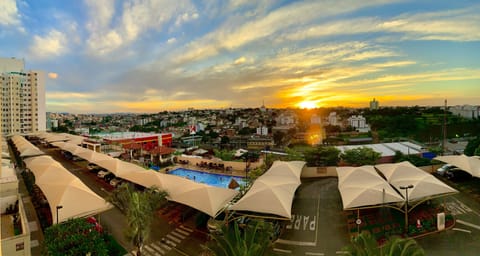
213,179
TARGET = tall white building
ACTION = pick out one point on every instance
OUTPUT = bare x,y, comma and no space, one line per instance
22,99
332,118
359,123
466,111
374,104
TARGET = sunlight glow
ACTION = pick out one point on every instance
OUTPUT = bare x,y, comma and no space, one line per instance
307,104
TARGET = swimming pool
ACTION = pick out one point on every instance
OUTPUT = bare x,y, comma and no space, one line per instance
213,179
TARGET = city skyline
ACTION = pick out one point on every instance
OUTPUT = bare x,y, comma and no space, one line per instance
150,56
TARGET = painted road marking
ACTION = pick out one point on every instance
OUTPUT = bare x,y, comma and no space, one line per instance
341,252
186,228
467,206
176,240
282,250
177,234
468,224
462,230
158,248
315,253
182,231
301,243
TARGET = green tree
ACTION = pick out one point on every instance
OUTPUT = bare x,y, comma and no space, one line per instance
252,240
360,156
74,237
472,146
365,245
322,156
139,208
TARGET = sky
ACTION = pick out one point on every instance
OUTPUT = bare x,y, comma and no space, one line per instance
146,56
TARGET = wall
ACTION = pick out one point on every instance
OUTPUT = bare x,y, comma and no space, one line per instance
9,245
238,166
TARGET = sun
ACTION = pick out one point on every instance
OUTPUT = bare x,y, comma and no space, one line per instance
307,104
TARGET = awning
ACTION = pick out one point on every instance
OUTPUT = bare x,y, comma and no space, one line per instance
65,190
424,184
273,192
470,164
363,186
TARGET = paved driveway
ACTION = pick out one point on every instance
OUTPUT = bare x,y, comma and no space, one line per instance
318,225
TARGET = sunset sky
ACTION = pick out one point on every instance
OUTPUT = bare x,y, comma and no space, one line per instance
105,56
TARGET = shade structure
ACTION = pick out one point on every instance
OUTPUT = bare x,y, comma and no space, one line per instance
363,187
72,148
424,184
40,162
469,164
61,188
205,198
273,192
31,152
118,167
146,178
76,200
25,147
58,144
93,156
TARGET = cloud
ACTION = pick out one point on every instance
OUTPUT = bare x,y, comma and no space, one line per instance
171,40
108,34
51,45
290,17
9,15
240,60
52,75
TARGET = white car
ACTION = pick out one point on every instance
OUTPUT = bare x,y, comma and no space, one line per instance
101,174
442,170
115,182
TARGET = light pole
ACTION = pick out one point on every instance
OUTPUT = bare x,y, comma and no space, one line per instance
406,205
58,208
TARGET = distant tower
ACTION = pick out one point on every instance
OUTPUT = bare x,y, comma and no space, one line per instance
263,108
373,104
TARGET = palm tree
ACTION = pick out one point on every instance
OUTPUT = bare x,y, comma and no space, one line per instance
366,245
252,240
139,208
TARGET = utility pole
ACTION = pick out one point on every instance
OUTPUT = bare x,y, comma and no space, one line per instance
444,127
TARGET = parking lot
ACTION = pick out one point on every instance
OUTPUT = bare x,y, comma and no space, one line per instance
319,224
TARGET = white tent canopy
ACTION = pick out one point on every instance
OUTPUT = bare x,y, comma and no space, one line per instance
25,147
424,184
363,186
469,164
205,198
273,192
61,188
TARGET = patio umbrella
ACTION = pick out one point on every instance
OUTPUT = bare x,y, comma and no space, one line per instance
469,164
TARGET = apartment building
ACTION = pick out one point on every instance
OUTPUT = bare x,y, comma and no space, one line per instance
22,98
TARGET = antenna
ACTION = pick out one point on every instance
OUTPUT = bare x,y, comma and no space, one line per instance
444,127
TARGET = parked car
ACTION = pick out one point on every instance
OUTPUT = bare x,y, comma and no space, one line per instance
91,166
108,177
102,173
115,182
442,170
457,174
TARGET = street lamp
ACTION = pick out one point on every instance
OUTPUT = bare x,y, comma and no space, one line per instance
58,208
406,205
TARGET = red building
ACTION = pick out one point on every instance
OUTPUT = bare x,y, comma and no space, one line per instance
146,140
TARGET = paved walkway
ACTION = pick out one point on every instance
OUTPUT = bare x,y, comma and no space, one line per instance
36,233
